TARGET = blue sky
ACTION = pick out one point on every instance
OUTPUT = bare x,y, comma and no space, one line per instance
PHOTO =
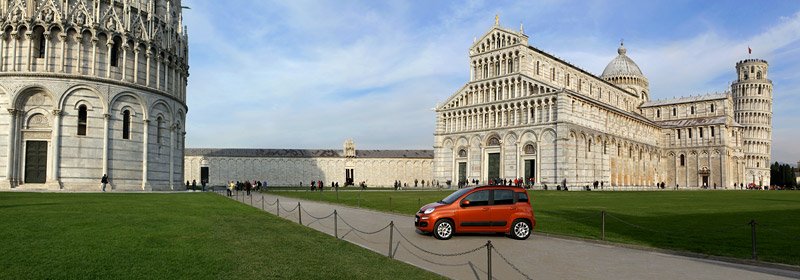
310,74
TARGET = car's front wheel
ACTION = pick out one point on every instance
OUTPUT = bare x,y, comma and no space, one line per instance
520,229
443,229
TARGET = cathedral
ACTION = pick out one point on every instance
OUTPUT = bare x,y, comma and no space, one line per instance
525,113
92,87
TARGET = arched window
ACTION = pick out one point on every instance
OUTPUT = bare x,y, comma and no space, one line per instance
658,113
679,134
692,110
159,126
82,120
758,75
115,52
42,46
126,124
537,68
683,160
712,108
462,153
712,132
674,112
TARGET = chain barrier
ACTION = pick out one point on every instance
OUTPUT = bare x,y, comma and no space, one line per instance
271,204
317,218
292,210
359,236
634,225
361,231
510,264
566,217
438,254
430,261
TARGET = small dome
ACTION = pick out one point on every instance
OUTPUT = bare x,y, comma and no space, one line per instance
622,65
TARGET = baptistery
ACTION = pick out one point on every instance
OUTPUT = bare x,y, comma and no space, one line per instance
91,88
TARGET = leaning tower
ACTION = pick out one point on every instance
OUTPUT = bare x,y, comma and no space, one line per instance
92,87
752,100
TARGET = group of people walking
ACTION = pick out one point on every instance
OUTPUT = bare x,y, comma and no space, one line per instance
246,186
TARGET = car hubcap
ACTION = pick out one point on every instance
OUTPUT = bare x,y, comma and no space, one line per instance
444,229
521,229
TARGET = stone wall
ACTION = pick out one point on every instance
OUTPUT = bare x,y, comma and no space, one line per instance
291,171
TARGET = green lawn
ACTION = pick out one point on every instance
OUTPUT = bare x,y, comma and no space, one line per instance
707,222
171,236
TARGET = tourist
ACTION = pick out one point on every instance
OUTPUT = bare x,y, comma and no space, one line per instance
247,187
230,188
194,185
104,181
203,183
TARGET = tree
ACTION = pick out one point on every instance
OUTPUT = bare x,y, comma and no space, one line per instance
782,175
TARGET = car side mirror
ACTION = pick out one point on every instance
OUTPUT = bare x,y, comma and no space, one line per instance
464,203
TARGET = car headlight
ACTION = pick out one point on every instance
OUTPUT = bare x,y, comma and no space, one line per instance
429,210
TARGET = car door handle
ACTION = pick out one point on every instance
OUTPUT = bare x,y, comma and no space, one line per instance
485,209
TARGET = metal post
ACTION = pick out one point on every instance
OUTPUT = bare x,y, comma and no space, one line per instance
391,233
299,214
753,236
262,203
278,206
603,219
489,259
251,199
335,224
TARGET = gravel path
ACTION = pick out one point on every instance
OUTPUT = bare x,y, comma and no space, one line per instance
539,257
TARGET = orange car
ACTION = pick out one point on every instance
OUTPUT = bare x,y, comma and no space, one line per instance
480,209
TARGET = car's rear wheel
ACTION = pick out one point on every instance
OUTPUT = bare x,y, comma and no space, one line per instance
520,229
443,229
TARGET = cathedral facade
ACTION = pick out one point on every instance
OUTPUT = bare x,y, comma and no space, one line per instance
527,114
92,87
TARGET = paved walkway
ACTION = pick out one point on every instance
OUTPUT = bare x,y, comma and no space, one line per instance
538,257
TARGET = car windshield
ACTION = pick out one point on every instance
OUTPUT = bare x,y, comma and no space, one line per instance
452,197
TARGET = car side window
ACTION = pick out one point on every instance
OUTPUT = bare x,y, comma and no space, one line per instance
522,197
503,197
479,198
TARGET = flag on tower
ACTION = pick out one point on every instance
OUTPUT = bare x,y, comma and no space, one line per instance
749,50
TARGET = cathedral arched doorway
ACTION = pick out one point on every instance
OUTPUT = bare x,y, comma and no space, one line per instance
493,161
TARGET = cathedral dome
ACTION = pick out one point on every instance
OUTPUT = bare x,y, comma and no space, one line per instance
622,65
